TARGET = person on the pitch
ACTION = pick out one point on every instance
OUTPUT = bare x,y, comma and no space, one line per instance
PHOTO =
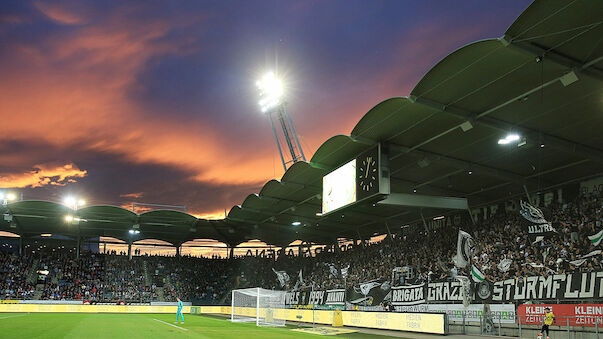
179,313
549,318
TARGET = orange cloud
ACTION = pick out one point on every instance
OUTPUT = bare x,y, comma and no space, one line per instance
58,12
132,195
43,175
85,101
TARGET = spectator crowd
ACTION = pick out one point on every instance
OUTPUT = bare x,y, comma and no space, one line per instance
422,255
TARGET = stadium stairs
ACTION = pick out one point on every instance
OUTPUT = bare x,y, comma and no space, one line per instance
38,292
147,278
32,274
160,296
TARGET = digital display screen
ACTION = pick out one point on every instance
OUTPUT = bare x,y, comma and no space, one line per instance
339,187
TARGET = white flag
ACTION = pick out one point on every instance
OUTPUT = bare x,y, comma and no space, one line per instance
577,262
282,276
465,289
344,272
595,239
504,265
333,271
465,248
476,274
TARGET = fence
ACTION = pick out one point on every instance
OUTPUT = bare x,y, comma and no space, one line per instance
529,326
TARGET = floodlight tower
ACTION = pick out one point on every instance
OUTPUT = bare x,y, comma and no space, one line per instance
272,103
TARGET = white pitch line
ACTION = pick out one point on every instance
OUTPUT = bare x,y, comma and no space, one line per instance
13,316
161,321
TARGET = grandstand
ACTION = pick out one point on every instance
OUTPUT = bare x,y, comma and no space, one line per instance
532,209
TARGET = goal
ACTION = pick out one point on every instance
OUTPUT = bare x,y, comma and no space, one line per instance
264,307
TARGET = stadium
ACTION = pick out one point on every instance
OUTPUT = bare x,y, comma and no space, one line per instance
471,207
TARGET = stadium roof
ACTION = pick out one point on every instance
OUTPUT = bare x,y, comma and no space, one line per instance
542,79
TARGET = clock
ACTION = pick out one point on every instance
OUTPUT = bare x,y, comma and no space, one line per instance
368,173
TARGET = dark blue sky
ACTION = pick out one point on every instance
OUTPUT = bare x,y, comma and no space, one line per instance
155,100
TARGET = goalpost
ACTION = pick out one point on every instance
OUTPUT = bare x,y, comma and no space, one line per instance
257,305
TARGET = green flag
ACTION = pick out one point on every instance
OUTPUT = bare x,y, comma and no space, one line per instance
596,238
476,274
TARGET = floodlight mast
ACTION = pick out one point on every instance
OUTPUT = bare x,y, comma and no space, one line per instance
272,103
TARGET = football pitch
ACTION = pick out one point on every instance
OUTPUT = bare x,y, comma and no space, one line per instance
132,326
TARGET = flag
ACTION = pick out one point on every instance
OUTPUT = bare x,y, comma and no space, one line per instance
504,265
465,248
465,289
476,274
595,239
366,287
577,262
538,226
582,260
282,276
344,272
591,254
333,270
301,278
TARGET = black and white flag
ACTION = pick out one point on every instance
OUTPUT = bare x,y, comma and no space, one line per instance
504,265
538,226
344,272
334,271
282,276
464,249
465,289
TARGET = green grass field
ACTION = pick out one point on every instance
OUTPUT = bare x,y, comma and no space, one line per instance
131,326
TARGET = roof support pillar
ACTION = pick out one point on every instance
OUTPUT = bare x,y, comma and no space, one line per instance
178,250
78,247
20,244
130,250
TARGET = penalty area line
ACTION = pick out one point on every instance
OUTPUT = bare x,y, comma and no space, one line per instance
161,321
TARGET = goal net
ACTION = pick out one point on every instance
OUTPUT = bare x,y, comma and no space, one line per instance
258,305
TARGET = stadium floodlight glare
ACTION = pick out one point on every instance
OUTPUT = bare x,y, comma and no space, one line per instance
69,218
296,223
73,202
509,139
134,231
11,196
271,91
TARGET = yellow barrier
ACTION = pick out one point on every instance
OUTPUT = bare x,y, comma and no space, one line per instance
57,308
413,322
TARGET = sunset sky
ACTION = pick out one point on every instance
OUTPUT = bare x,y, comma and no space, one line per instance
154,101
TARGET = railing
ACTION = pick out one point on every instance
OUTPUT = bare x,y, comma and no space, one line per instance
570,327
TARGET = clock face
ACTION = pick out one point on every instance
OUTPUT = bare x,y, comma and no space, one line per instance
367,173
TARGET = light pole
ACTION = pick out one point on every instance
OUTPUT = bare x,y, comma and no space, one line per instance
272,103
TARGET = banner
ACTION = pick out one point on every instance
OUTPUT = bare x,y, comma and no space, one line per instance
408,295
301,298
579,314
465,248
473,313
573,286
369,295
